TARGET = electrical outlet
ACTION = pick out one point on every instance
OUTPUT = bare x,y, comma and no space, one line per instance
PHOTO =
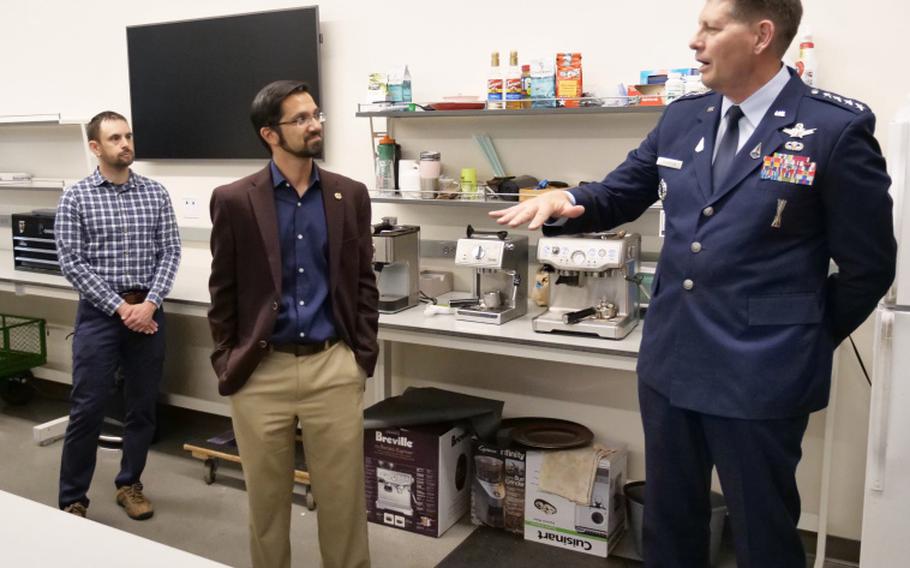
190,208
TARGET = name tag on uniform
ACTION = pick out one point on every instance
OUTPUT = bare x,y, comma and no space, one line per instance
789,168
669,162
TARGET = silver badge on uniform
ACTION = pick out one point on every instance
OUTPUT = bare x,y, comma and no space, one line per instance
781,203
799,131
756,152
662,189
701,145
794,146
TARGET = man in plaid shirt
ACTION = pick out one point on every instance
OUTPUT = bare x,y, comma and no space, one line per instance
118,245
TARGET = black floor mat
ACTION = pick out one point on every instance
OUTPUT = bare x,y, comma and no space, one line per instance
489,548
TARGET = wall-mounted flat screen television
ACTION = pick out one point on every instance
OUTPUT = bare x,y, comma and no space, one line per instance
192,82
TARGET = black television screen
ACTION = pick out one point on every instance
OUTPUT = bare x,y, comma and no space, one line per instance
192,82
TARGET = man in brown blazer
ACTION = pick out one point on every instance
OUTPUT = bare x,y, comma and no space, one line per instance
294,322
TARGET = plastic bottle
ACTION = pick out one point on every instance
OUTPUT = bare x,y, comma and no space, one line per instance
395,85
806,66
674,87
513,83
494,84
385,166
526,86
693,84
406,85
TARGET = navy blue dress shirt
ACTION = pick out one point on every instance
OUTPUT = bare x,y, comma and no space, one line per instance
305,313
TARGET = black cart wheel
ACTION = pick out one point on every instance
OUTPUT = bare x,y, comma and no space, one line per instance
310,501
17,390
211,466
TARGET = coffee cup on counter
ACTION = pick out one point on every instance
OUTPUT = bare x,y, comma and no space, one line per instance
430,168
409,179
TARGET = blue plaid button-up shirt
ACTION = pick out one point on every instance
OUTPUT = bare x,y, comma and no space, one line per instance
115,238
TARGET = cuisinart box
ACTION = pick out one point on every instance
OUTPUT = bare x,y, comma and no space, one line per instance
418,478
556,521
498,486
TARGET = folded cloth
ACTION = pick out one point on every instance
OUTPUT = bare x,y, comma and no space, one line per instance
570,473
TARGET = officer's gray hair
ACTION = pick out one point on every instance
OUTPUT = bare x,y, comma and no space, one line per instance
786,15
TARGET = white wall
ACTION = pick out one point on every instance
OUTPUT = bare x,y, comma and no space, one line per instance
70,57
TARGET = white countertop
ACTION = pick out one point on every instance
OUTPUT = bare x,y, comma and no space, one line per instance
190,296
37,536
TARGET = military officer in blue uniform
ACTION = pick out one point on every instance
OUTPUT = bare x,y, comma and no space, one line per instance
763,182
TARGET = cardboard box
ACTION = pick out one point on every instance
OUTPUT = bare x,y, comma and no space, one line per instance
526,193
418,478
658,76
554,520
649,95
498,487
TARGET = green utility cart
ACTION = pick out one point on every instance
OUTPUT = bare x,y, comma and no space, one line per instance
23,346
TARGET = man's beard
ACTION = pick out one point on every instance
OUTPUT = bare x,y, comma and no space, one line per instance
307,151
120,160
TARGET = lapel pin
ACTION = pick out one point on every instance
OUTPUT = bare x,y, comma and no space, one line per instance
701,145
756,152
338,196
794,146
780,113
710,109
799,131
662,189
781,203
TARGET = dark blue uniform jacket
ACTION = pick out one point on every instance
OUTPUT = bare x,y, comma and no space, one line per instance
744,316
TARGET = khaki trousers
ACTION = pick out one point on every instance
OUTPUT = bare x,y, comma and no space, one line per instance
324,392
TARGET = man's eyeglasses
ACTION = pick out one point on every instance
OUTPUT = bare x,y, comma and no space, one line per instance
302,121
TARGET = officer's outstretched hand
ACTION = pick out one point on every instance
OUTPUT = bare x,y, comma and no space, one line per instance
536,211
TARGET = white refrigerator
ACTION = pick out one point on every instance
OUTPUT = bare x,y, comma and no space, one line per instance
886,511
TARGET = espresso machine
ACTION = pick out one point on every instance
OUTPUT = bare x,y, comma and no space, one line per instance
593,289
396,263
394,490
500,263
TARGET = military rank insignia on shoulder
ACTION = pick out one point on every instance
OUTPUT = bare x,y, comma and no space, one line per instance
692,96
840,101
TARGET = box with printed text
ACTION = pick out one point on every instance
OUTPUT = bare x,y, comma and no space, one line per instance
592,529
418,478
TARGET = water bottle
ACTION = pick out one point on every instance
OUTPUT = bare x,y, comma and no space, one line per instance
385,166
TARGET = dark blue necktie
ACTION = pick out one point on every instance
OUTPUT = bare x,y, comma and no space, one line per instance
726,151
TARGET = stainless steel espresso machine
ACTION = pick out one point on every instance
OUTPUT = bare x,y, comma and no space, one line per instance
396,263
500,263
593,289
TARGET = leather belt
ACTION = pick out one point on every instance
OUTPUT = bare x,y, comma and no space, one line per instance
134,296
300,349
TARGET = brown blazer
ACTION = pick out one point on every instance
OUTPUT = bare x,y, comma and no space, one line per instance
245,284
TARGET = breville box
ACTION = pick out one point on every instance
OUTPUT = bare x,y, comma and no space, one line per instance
498,487
594,529
418,478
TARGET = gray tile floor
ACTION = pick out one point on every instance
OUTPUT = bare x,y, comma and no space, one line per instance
208,520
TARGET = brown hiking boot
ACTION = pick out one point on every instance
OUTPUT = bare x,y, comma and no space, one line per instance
76,508
130,497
